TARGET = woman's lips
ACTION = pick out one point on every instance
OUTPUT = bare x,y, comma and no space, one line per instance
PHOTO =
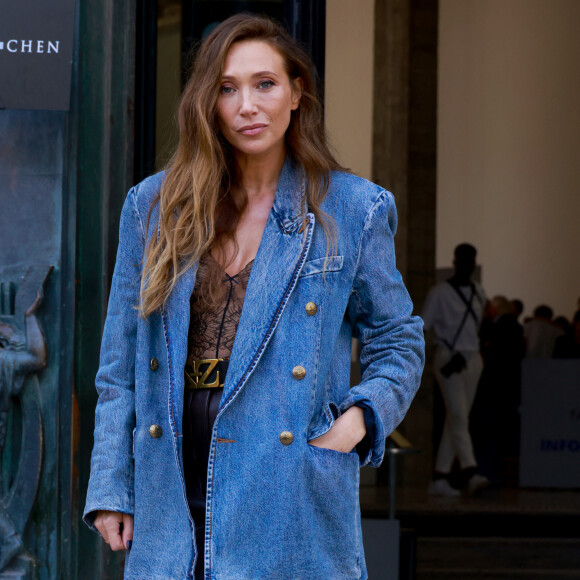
252,129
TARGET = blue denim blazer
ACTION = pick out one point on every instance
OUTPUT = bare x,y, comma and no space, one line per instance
275,509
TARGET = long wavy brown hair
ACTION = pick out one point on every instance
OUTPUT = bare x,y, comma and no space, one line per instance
198,208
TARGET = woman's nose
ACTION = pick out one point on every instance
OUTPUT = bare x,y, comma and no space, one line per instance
247,103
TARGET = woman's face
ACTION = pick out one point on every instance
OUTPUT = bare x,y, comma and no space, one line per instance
256,100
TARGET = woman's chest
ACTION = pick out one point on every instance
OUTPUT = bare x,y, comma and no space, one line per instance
243,246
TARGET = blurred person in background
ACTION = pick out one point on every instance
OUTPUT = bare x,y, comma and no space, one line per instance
517,307
540,333
568,345
496,420
563,323
453,312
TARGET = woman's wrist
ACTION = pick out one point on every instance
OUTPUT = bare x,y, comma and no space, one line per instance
355,422
348,430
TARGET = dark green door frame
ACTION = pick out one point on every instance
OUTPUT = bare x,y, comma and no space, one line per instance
101,162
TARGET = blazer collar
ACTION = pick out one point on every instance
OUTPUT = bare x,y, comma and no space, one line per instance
290,205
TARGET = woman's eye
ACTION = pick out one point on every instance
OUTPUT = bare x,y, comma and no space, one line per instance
265,84
225,90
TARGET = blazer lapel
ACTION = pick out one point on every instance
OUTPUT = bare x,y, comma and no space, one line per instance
176,314
281,255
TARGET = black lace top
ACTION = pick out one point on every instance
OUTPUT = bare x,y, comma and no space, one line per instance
212,332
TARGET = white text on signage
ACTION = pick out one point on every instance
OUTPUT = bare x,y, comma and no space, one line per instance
31,46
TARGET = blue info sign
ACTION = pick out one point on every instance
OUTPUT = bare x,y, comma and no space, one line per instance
36,50
550,413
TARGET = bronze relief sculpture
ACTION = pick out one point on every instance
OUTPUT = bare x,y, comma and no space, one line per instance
23,353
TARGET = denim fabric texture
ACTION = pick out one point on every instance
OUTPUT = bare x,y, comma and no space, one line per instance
274,511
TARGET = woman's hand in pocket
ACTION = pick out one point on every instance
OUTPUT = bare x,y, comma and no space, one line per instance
116,529
348,430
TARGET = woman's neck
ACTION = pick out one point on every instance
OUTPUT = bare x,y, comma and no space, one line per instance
259,174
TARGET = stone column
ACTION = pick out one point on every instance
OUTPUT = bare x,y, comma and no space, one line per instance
404,162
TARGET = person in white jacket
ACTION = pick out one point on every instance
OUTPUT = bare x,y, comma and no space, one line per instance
453,312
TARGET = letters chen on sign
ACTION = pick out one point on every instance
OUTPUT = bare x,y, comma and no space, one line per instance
36,50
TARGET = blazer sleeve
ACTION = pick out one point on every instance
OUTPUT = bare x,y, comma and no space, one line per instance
111,480
392,343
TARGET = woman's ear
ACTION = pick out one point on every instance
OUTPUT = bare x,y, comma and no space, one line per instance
297,86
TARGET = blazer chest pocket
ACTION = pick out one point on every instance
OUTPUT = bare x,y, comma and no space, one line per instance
312,267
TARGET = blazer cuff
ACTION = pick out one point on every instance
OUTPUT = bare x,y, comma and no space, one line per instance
124,506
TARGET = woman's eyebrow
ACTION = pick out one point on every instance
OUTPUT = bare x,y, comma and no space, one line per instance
256,74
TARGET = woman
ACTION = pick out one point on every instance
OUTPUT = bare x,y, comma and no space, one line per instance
255,475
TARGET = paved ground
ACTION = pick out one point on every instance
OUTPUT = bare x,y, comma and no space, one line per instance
494,500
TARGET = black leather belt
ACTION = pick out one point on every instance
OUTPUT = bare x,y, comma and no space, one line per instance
209,373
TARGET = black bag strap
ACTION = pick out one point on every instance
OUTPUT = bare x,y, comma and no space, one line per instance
468,303
468,310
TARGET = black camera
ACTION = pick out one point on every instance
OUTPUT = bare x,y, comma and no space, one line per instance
455,365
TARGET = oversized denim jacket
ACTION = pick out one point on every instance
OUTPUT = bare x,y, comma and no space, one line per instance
274,510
